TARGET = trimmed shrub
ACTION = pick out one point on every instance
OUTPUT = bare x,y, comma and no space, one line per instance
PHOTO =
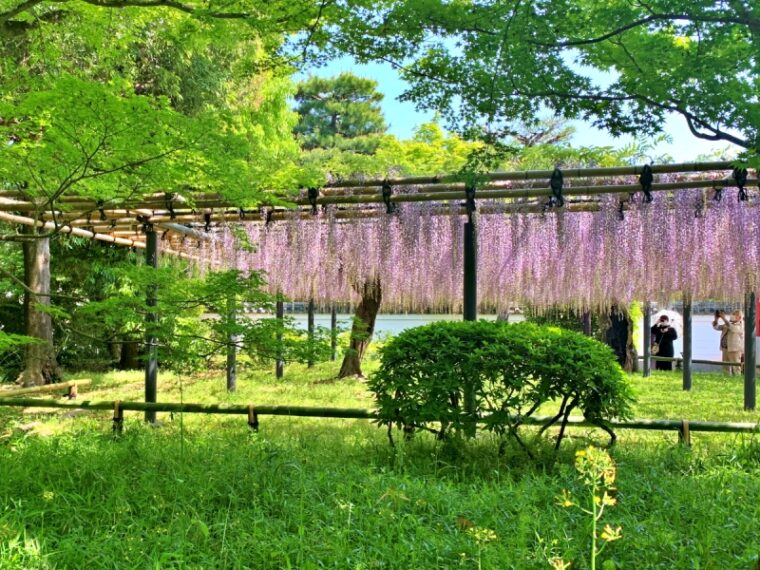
448,377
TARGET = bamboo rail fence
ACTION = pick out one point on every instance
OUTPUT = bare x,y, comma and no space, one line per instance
694,361
683,427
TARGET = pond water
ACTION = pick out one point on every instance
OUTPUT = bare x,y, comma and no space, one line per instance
705,342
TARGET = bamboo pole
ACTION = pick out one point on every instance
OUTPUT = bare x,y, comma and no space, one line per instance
542,174
24,221
377,198
45,388
214,200
354,413
694,361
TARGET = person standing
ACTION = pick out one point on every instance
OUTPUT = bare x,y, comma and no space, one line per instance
663,336
731,339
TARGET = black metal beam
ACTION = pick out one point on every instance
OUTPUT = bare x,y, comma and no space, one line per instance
279,367
470,311
750,370
333,333
687,342
310,327
647,339
151,319
231,344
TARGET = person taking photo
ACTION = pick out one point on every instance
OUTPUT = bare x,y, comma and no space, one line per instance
731,339
663,336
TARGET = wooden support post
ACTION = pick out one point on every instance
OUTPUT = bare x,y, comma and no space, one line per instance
253,418
647,339
684,435
470,308
151,319
333,333
279,367
72,394
118,418
310,327
687,336
231,344
750,370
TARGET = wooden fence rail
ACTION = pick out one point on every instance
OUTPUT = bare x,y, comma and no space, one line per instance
71,387
695,361
683,427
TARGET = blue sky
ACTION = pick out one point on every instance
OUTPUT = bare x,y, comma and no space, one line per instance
403,117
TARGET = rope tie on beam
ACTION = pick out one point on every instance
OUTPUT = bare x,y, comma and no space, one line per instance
390,206
740,176
718,196
621,210
646,179
556,183
313,195
469,192
207,222
268,219
99,205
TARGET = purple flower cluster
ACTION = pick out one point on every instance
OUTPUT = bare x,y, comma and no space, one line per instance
684,241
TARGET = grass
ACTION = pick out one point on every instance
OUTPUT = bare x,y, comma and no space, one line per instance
205,492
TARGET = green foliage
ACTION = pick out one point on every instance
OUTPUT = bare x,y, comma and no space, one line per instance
314,493
563,317
199,317
341,112
625,66
428,373
118,104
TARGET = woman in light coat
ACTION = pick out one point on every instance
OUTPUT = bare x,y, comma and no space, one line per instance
731,339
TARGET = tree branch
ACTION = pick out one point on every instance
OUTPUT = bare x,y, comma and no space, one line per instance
744,20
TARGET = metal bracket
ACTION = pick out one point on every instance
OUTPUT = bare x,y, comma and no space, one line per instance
313,194
469,192
646,179
556,183
390,206
169,200
207,222
99,204
740,176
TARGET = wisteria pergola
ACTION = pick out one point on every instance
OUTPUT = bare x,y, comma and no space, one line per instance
585,238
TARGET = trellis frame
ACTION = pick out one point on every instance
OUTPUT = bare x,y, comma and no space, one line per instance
192,217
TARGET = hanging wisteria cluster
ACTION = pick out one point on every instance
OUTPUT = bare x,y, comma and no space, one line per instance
682,242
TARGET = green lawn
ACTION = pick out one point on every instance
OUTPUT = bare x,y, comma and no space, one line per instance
205,492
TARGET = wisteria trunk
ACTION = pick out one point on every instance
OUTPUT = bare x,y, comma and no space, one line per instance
619,336
40,364
362,329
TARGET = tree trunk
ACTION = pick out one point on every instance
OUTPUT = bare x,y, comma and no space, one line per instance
40,365
130,355
362,329
619,336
